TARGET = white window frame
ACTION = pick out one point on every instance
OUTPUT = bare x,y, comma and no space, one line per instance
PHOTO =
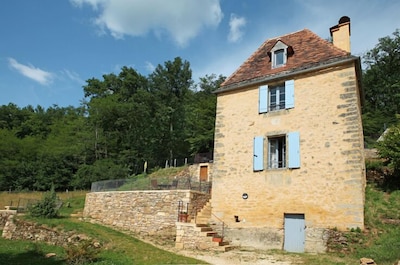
276,97
277,152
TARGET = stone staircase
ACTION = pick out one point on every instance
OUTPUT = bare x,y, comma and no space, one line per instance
197,233
212,239
201,221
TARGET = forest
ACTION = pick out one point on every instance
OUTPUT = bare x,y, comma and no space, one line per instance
128,120
124,121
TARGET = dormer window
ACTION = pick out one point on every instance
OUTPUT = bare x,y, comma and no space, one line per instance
279,54
279,58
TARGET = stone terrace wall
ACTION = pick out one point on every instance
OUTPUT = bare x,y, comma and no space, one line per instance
143,212
16,229
4,215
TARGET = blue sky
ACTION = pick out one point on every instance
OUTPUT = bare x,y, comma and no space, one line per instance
49,48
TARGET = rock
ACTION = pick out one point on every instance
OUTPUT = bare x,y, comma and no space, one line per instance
49,255
367,261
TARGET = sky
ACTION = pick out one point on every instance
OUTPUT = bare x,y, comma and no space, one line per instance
48,48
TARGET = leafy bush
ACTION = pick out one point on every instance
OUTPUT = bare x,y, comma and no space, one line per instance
47,207
374,164
82,253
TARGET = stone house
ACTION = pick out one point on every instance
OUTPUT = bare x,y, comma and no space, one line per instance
288,156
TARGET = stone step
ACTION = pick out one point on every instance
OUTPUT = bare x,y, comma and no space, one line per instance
203,229
218,244
208,233
202,221
224,248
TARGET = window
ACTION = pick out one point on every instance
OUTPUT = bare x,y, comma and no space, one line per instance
283,151
277,152
278,97
278,54
279,58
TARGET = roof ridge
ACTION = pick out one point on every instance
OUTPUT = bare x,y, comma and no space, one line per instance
287,34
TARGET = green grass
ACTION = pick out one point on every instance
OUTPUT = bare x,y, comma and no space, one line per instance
143,181
117,248
18,252
382,215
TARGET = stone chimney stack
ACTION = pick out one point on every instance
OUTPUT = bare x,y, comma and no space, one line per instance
341,34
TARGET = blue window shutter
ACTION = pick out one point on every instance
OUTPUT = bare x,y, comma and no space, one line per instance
263,99
258,156
294,149
289,94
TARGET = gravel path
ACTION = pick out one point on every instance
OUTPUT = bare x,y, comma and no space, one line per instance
238,257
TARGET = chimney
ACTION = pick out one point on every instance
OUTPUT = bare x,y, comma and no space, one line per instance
341,34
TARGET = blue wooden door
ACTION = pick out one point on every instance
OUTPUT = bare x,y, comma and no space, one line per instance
294,233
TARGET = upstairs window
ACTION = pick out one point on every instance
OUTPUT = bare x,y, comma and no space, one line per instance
277,152
283,151
277,97
279,58
279,54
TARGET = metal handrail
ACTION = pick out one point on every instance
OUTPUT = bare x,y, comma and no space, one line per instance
223,224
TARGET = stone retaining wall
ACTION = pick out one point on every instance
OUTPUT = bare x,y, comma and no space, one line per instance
15,229
143,212
4,214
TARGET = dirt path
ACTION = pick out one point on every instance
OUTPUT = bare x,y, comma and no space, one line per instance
238,257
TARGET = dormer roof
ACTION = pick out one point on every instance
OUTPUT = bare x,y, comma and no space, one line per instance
305,50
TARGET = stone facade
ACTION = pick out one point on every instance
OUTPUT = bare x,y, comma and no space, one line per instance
326,189
142,212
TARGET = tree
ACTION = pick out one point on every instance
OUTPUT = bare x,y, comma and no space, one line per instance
389,147
200,119
381,82
170,85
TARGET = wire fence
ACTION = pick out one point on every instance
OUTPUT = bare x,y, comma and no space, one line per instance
22,204
144,183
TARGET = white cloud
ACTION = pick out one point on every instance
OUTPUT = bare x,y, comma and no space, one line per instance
149,66
73,76
36,74
181,19
236,25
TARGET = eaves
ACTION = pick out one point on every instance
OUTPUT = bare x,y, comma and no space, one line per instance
285,75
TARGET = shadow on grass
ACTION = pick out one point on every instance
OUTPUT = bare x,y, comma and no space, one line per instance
391,182
31,257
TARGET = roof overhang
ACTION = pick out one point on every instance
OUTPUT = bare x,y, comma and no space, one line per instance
288,74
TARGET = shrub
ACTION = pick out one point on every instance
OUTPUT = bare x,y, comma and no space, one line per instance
374,165
82,253
47,207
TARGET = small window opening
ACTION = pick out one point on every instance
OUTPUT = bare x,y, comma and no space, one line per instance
277,152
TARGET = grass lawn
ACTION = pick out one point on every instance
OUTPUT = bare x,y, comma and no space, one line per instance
117,248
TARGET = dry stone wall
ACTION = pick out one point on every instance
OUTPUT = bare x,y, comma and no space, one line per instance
16,229
4,215
142,212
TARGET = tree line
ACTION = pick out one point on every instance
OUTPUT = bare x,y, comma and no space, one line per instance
128,119
125,121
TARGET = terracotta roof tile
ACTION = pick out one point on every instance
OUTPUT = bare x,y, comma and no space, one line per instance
309,50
